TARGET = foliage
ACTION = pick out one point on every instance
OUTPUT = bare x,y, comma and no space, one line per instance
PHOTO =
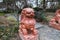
8,1
43,16
40,15
49,18
6,32
7,11
11,18
1,14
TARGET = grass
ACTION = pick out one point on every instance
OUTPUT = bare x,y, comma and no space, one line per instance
1,14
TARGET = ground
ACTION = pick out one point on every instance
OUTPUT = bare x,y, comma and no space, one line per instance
48,33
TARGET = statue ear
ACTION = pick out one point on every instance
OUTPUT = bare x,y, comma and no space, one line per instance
57,12
23,11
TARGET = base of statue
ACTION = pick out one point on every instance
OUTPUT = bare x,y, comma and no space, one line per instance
28,37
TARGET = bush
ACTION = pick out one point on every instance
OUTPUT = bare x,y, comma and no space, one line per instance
7,32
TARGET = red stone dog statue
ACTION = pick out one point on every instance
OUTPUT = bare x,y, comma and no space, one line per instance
27,30
55,22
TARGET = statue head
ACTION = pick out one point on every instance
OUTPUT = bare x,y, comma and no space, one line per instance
28,12
57,13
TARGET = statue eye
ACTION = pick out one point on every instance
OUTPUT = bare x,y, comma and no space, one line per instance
56,21
28,12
